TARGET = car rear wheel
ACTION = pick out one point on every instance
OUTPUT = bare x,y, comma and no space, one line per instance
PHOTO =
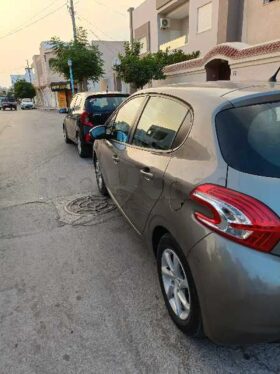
65,135
84,149
178,288
99,179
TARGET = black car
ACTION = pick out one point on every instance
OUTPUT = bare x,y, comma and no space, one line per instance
8,103
88,109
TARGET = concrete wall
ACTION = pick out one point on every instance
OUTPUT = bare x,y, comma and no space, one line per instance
110,51
261,22
205,40
146,12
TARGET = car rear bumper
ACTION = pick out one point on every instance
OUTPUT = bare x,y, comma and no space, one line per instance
239,291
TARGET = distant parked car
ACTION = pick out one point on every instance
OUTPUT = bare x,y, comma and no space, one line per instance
196,172
27,104
88,109
8,103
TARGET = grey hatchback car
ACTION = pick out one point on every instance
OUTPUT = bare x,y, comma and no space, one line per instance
195,170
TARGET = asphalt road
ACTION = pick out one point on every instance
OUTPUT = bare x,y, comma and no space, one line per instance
79,292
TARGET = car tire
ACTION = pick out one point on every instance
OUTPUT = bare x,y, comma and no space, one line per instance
99,178
65,135
84,150
178,287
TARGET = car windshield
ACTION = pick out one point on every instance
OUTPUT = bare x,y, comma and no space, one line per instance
249,138
26,100
103,104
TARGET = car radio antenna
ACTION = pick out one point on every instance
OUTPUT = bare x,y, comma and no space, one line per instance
274,76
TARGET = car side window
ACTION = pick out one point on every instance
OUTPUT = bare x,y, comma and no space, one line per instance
120,125
78,103
159,123
72,104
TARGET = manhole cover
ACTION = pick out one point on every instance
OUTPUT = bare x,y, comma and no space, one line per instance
90,205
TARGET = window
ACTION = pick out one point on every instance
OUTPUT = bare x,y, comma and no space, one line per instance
120,128
73,102
204,18
78,103
104,104
159,123
144,45
249,138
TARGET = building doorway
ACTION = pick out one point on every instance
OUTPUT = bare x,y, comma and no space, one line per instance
217,70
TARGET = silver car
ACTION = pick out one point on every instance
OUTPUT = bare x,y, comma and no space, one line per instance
195,170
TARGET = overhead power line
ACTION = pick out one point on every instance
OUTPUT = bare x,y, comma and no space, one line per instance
110,7
90,23
32,23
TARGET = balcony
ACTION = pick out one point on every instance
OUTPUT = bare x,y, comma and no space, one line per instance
175,43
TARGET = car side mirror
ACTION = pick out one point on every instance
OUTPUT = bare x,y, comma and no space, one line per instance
98,132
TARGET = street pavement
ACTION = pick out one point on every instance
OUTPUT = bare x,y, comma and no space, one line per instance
78,288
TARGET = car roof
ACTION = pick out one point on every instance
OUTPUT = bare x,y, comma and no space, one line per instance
93,93
221,92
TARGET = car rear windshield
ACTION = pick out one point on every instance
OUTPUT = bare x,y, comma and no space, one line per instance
104,104
249,138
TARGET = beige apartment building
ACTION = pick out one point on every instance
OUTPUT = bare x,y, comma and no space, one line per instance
237,39
53,91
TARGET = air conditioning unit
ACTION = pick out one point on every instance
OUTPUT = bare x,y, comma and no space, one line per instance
164,23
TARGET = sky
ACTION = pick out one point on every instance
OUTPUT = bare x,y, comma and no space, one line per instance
25,23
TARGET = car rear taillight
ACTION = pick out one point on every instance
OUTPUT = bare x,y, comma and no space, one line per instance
238,217
85,120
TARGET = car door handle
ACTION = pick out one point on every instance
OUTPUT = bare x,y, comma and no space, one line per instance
147,174
115,159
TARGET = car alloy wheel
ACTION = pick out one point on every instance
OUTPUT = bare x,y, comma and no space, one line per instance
175,284
178,287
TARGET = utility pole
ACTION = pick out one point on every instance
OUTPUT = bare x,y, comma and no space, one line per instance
72,14
28,69
130,11
69,62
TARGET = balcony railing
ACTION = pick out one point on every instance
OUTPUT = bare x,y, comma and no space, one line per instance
175,43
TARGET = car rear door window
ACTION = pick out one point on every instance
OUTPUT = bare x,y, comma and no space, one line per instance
249,138
119,129
159,123
104,104
72,104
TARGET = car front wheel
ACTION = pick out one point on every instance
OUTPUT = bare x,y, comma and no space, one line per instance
177,286
99,179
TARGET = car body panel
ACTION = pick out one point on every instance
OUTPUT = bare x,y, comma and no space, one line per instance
238,287
264,189
238,291
138,192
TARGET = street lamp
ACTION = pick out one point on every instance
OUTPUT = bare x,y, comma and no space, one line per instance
71,76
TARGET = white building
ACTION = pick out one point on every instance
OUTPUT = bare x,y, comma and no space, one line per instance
53,90
237,39
28,76
110,51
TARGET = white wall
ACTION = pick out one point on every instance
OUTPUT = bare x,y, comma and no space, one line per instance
146,12
203,41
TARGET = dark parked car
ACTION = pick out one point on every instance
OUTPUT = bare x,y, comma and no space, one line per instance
88,109
8,103
196,172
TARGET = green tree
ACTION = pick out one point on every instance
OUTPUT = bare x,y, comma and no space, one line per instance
23,89
86,59
139,70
